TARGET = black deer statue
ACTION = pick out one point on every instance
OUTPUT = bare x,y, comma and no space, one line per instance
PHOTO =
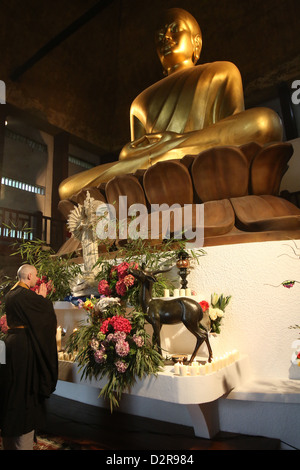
159,312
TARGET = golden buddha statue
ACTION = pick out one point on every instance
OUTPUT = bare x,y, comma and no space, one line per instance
194,107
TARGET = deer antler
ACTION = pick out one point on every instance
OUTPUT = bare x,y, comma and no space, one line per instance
158,271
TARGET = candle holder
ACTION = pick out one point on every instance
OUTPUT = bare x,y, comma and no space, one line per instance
183,265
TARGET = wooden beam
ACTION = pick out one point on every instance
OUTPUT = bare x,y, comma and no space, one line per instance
59,38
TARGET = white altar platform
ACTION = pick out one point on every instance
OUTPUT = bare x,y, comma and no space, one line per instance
197,393
257,323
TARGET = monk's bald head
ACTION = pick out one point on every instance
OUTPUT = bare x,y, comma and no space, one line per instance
27,274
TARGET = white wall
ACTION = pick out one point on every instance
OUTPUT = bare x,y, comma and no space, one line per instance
258,317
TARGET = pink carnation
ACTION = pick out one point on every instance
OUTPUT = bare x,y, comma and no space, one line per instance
99,356
122,348
139,340
119,336
121,366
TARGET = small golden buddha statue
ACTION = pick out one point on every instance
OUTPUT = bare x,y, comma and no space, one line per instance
194,107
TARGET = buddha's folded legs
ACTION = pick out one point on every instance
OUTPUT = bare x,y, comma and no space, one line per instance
260,125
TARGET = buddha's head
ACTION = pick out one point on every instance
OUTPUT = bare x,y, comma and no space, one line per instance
178,40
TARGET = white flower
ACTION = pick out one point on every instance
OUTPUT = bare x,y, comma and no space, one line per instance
106,302
220,312
94,344
214,299
213,313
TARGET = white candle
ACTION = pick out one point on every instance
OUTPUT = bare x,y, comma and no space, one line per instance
226,359
201,369
176,368
222,362
58,338
235,354
218,363
183,370
166,293
194,369
182,292
208,368
188,292
176,293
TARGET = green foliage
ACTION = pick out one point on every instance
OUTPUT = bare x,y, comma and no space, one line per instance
57,269
139,251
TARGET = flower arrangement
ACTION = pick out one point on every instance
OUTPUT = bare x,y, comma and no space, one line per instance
113,344
216,311
116,281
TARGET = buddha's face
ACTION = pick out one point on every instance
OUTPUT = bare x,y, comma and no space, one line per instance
175,43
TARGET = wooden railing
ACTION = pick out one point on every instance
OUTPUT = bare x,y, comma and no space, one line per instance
21,225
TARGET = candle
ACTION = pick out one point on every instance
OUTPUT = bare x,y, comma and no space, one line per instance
176,368
58,338
183,370
226,359
208,368
188,292
201,369
194,369
176,293
166,293
222,362
182,292
236,354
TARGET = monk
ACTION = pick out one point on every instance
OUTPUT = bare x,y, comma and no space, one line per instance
194,107
31,370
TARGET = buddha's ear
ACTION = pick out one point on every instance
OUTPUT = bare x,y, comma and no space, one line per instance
197,47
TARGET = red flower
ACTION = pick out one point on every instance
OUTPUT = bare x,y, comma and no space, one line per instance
122,269
49,285
129,280
103,288
204,305
121,288
3,325
298,355
118,324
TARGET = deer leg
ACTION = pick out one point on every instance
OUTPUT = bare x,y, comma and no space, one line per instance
198,344
156,335
210,353
200,336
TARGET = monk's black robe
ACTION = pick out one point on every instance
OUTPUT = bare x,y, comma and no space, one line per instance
30,373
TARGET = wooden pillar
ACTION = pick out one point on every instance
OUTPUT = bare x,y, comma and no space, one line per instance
3,115
60,172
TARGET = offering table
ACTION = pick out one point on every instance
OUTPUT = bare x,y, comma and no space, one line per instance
198,393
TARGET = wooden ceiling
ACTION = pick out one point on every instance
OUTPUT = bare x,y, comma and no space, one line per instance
78,65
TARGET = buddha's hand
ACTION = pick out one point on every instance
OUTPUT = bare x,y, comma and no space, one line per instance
151,144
